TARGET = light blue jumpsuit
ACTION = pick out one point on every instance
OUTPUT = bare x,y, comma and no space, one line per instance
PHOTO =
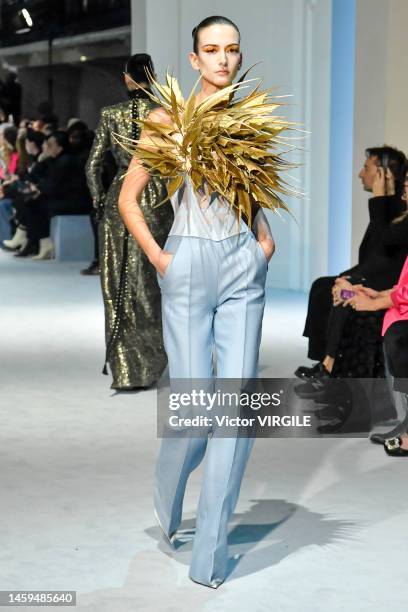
213,297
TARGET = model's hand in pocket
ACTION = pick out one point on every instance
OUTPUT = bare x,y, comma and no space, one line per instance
163,262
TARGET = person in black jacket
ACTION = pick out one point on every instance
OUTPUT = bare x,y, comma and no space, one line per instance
62,191
381,256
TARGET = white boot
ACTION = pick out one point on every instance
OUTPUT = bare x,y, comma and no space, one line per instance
46,249
18,240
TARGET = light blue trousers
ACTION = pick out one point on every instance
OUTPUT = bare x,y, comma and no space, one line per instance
6,214
213,298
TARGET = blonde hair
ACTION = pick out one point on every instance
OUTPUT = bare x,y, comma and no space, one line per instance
6,153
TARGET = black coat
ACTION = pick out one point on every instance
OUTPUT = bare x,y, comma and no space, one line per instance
65,181
382,254
384,246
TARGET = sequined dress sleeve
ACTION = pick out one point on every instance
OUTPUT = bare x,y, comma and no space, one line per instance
94,165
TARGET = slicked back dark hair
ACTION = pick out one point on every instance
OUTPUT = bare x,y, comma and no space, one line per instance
209,21
139,66
392,158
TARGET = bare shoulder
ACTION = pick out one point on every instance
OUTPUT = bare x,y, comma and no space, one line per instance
159,115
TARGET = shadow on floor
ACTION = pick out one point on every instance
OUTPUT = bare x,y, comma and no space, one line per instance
268,532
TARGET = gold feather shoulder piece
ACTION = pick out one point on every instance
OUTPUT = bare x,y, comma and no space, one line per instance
233,145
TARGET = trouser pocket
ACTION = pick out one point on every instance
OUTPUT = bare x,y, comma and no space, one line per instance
173,244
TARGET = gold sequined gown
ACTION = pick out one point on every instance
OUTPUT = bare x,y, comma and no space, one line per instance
137,357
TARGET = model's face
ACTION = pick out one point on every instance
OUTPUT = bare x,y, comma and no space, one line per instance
218,56
368,172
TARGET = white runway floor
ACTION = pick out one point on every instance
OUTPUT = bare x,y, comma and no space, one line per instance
321,525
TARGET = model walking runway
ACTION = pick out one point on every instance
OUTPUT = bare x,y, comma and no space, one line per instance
212,270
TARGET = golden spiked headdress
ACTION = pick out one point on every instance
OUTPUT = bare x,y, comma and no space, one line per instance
232,145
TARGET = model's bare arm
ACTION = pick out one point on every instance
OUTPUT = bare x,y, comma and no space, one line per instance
134,183
263,233
265,238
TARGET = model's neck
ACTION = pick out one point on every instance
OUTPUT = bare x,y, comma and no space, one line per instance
207,89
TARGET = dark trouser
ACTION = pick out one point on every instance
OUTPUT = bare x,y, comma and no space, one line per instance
20,206
396,350
324,322
39,212
36,219
335,326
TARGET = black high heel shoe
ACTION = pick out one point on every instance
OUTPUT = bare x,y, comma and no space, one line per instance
393,448
314,373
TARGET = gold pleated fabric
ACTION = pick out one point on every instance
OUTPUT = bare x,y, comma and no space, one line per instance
137,357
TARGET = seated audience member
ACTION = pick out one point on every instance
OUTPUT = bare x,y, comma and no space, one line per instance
61,191
360,352
395,334
80,139
19,193
381,256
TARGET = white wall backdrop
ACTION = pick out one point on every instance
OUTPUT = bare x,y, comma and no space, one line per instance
341,134
396,123
381,91
369,100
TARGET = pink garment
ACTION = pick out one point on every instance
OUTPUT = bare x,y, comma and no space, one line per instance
13,163
399,297
11,167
